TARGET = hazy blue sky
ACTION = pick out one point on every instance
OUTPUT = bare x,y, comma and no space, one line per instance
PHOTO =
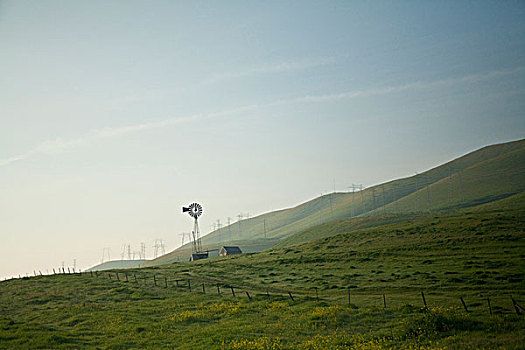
114,114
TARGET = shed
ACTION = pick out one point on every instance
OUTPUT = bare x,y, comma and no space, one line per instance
231,250
198,256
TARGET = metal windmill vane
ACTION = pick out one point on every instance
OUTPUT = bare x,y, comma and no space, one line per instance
195,210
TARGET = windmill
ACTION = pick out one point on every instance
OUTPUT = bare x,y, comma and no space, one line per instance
195,210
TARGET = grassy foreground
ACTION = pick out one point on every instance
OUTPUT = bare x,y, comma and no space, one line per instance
478,256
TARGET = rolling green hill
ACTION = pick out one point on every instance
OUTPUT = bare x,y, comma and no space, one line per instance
355,288
118,264
434,261
488,174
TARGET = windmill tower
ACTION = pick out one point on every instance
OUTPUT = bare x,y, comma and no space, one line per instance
195,210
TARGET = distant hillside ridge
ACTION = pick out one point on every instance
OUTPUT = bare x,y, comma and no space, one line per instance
488,174
118,264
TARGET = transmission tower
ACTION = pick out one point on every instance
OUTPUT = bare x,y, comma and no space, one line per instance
229,220
353,188
105,251
239,219
384,200
143,250
162,247
156,247
184,234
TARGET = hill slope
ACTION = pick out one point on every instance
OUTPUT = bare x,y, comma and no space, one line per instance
118,264
477,256
488,174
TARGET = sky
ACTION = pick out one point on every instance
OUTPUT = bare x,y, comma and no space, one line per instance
115,114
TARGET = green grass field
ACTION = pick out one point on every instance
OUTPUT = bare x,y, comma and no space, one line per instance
475,254
343,271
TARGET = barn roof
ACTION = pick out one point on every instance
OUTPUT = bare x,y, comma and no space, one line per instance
232,249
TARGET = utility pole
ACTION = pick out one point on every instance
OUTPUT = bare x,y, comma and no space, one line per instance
105,251
460,186
156,249
362,202
429,200
416,202
239,218
331,207
449,185
353,188
228,219
384,201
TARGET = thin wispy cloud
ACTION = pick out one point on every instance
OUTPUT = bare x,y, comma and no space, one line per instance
279,67
404,87
59,145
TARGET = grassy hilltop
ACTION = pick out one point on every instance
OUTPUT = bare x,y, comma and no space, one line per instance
359,281
488,174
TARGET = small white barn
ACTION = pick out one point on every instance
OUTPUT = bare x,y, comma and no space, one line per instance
231,250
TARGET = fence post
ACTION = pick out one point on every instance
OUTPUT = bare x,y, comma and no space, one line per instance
127,280
316,294
233,292
517,306
490,307
54,273
155,280
135,276
203,290
91,273
248,294
291,296
267,293
166,282
189,285
40,272
109,274
463,302
218,289
118,278
384,300
177,282
424,300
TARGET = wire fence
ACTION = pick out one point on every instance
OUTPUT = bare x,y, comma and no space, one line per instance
498,304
